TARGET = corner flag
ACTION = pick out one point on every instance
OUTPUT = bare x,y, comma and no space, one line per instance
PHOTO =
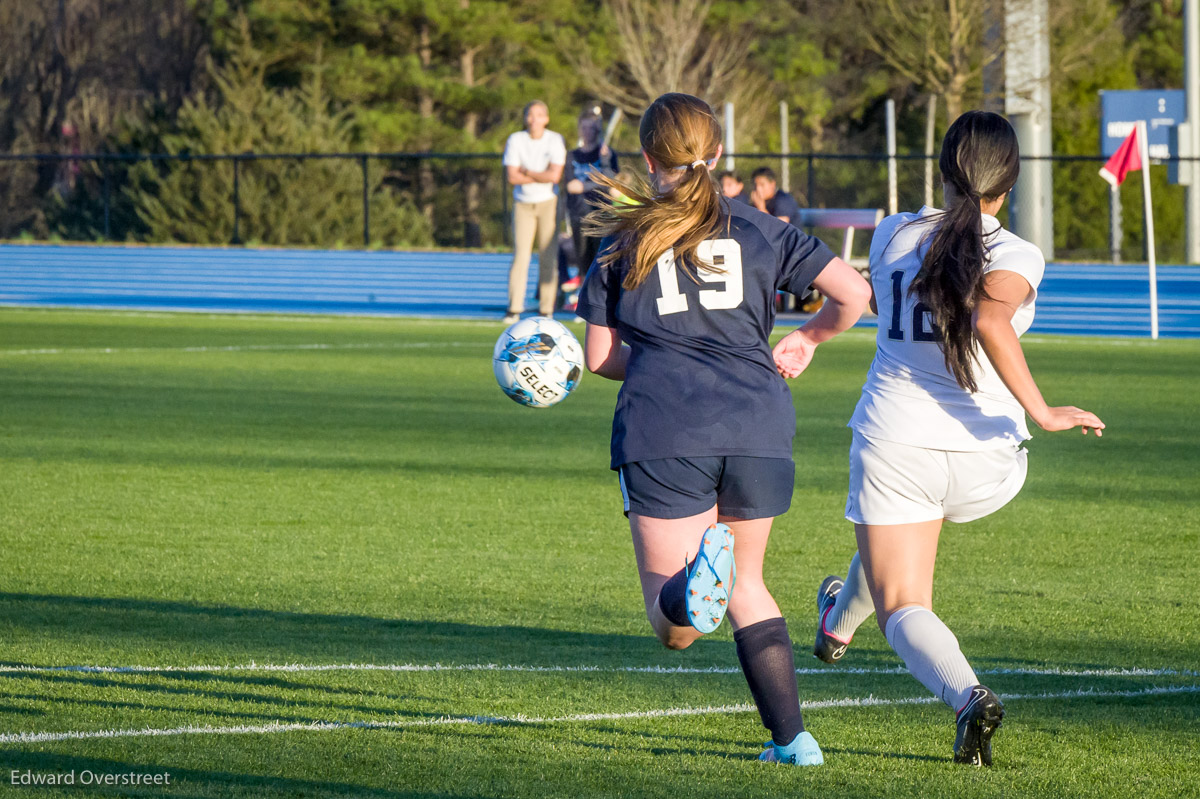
1127,158
1134,154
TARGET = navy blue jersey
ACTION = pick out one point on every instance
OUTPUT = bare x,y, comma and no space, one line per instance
700,379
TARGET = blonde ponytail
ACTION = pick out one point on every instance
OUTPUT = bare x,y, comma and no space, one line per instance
679,132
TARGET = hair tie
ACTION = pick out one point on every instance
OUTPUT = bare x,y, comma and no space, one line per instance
693,165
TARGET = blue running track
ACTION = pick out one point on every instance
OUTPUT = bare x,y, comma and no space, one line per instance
1085,299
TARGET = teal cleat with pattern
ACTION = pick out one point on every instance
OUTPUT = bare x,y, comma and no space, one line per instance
803,751
711,576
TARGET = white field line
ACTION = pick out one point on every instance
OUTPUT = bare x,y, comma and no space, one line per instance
412,345
17,671
330,726
242,316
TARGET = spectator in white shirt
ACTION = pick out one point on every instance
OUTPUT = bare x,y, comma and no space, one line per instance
533,162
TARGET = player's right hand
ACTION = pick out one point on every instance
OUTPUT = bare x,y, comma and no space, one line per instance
1065,417
793,353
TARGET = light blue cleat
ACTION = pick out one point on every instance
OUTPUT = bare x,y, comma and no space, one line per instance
803,751
711,576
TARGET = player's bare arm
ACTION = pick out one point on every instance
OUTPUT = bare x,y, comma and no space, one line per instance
603,352
1005,292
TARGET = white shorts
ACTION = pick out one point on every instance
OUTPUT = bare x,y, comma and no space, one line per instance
894,483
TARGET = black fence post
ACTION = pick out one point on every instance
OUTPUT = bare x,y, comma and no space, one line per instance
237,201
107,201
811,181
366,204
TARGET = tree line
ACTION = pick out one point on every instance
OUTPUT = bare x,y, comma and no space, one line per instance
195,77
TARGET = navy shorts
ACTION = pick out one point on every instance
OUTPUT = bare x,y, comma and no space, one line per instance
741,487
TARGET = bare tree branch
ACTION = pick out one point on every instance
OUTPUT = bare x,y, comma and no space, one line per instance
663,46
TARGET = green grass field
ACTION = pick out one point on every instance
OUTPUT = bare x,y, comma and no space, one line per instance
218,497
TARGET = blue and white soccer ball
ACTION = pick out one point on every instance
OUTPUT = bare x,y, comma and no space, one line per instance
538,362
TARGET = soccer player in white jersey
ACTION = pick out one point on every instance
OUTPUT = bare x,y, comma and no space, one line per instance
938,429
679,306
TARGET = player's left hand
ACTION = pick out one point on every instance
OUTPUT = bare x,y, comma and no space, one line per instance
793,353
1066,417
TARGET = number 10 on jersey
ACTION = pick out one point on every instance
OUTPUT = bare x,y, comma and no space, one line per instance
713,255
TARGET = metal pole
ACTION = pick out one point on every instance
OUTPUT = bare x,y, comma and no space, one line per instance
1191,83
930,130
1027,103
1143,146
785,163
893,201
613,121
366,204
729,136
1115,234
237,202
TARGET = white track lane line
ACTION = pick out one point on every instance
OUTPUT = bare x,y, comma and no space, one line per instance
412,345
331,726
17,671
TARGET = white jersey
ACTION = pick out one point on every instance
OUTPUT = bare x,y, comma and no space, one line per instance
910,397
536,155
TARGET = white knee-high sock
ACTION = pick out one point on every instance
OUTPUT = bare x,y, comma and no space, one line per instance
931,653
853,605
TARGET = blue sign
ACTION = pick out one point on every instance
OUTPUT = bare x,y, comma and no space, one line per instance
1162,110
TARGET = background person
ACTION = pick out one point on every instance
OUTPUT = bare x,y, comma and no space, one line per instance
591,157
938,428
703,428
533,163
767,198
732,187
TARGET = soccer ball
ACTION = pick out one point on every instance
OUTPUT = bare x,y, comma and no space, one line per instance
537,362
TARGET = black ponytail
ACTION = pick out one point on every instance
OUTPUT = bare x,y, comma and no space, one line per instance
980,160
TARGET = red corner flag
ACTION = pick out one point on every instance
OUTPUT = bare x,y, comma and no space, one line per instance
1125,159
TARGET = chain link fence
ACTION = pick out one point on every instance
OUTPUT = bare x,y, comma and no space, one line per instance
462,200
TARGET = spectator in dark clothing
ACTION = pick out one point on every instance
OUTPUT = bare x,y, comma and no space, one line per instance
590,157
767,197
733,188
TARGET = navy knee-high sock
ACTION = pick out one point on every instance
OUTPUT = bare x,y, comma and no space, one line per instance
765,651
672,599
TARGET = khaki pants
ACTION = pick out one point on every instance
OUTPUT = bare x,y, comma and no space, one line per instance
534,222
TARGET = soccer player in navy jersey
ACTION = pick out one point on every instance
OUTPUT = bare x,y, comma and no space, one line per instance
679,305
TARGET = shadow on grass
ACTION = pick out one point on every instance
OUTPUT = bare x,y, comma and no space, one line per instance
882,755
109,704
230,634
164,685
186,633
